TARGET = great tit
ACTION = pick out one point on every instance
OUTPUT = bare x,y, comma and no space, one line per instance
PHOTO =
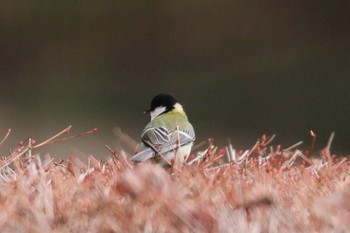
169,136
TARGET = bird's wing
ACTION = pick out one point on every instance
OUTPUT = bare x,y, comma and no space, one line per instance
155,136
163,140
143,155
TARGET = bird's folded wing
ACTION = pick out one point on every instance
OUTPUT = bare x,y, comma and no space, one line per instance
155,136
143,155
161,140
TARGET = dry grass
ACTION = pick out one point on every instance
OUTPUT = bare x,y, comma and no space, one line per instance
264,189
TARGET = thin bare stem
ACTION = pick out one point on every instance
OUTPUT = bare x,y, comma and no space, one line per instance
270,140
158,152
198,145
178,148
293,146
330,140
110,150
252,149
49,141
311,149
304,157
8,162
213,160
6,136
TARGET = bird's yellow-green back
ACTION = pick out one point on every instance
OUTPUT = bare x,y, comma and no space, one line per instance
170,120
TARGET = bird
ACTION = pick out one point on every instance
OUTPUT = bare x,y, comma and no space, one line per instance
169,136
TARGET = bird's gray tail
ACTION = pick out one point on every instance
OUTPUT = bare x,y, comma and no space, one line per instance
143,155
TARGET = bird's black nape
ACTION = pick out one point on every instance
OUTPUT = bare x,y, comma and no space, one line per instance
165,100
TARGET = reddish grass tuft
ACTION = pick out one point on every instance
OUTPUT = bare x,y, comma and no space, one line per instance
263,189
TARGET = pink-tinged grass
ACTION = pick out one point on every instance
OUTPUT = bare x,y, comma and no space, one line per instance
263,189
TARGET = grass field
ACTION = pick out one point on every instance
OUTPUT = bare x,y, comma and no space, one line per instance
263,189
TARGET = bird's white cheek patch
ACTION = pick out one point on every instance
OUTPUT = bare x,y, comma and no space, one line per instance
157,111
178,106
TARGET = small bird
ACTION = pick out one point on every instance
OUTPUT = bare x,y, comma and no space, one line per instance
169,134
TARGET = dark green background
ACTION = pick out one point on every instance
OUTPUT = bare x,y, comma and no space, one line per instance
240,68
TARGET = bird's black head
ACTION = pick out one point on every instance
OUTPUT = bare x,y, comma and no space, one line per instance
163,103
163,100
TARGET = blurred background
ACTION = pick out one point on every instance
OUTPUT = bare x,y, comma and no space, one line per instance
240,69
